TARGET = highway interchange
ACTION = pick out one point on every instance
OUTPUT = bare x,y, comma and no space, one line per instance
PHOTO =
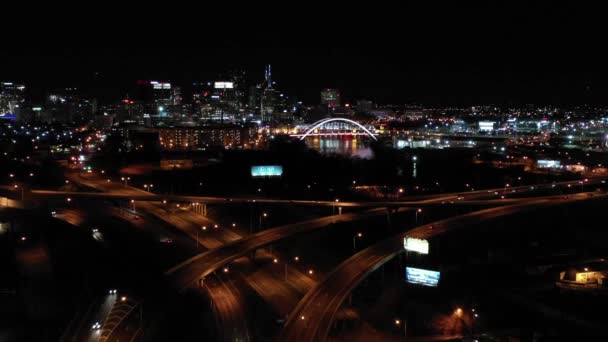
312,317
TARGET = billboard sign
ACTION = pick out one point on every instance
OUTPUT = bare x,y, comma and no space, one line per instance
421,276
548,164
486,125
416,245
223,85
267,171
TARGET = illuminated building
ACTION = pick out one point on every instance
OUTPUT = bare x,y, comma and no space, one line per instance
70,105
364,106
176,96
268,76
269,103
11,97
199,138
330,97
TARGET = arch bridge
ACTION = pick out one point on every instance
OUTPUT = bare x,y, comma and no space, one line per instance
335,127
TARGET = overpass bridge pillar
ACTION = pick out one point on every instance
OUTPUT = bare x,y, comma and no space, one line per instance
200,208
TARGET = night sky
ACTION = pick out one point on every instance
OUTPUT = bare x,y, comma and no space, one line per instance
461,55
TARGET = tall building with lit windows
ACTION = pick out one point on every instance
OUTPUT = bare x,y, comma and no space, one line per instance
162,97
330,97
11,97
202,137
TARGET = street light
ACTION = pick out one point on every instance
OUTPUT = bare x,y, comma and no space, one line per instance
358,235
398,323
264,215
418,211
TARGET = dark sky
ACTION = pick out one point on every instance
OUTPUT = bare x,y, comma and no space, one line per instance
458,55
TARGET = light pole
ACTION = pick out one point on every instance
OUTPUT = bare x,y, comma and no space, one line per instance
296,259
417,211
398,323
276,261
263,215
358,235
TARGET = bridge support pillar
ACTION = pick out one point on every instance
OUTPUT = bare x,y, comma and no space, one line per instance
199,208
339,210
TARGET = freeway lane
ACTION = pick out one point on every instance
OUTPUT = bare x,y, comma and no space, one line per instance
312,318
189,271
216,200
471,196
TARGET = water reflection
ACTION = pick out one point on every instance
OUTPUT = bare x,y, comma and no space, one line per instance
351,146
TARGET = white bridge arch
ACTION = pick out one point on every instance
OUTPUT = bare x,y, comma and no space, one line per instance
320,123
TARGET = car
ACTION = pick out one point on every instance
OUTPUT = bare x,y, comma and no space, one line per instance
165,239
53,213
95,230
96,326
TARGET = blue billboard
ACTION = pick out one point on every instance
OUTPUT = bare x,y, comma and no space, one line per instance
8,116
267,171
421,277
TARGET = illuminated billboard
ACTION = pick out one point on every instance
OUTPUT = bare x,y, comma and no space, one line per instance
160,85
486,125
421,277
223,85
549,164
267,171
416,245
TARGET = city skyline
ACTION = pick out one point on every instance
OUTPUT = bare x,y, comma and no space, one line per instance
295,173
420,72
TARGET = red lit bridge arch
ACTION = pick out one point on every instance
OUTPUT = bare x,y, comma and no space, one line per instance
342,122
